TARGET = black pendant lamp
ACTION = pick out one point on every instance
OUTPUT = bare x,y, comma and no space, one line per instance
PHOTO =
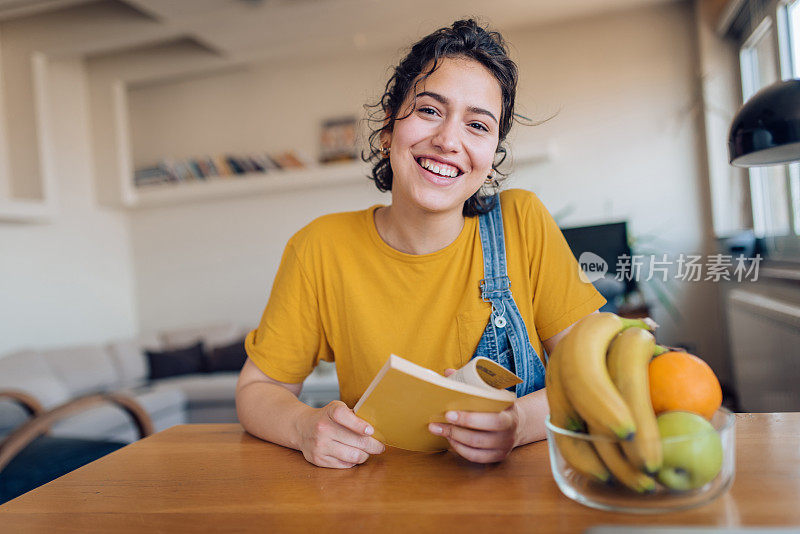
766,130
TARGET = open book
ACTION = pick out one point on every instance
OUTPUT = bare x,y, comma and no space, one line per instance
404,397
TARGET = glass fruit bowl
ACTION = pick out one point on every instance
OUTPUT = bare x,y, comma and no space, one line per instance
699,465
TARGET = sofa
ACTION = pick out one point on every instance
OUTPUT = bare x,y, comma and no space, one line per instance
55,376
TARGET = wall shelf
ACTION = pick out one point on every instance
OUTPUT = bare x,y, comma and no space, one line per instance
26,211
43,209
114,163
220,188
247,184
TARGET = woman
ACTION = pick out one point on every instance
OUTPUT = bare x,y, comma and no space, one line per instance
428,277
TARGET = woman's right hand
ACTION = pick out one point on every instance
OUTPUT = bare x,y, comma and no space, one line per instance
333,436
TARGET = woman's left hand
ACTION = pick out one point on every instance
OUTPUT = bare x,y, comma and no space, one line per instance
477,436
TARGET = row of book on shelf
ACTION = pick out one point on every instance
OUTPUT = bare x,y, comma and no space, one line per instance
212,167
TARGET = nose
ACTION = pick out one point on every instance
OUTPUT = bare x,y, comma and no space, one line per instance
446,137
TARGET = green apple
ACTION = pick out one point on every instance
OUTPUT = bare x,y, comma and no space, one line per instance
691,462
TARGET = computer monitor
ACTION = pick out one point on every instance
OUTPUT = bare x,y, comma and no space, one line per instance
609,241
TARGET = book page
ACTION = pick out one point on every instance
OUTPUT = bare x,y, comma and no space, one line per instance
483,372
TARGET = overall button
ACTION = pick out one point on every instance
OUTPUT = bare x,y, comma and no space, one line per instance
500,322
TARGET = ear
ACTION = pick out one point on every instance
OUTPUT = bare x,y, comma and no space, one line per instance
386,138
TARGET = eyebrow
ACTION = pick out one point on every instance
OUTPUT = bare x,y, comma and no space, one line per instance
443,100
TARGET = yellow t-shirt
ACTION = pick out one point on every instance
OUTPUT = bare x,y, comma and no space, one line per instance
342,294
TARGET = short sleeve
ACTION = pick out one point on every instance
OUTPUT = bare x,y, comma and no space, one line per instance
560,296
289,340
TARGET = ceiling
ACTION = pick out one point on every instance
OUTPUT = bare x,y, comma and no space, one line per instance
237,31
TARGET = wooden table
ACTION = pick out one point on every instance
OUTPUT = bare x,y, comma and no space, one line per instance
198,478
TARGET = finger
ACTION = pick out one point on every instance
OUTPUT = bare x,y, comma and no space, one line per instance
481,456
494,422
335,463
477,439
367,444
325,460
449,371
347,454
338,412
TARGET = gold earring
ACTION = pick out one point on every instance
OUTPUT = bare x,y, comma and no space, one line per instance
385,151
490,180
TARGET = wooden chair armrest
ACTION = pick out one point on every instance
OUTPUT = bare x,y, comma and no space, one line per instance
28,402
21,437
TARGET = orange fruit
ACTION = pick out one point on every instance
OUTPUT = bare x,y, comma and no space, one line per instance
682,381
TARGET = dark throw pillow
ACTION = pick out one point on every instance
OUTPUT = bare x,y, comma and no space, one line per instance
226,358
176,362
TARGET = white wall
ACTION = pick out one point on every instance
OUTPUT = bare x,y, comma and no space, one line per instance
627,128
70,281
215,262
626,132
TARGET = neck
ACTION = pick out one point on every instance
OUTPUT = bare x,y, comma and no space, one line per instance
417,233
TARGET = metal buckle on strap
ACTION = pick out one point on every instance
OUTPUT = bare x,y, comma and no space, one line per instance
504,280
504,285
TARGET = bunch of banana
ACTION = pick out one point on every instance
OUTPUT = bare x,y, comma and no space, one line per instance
597,379
577,452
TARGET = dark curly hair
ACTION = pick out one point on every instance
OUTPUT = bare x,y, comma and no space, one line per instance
467,39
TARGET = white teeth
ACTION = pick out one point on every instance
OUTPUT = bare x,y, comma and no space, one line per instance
442,170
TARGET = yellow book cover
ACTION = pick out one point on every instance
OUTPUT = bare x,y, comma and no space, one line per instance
404,397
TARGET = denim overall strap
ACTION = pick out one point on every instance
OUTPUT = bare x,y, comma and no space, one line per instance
505,339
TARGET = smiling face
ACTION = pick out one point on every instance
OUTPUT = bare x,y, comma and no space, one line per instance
442,152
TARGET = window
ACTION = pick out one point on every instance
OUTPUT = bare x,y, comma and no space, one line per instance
792,23
793,31
769,53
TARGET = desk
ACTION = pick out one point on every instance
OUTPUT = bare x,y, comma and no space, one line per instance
199,478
